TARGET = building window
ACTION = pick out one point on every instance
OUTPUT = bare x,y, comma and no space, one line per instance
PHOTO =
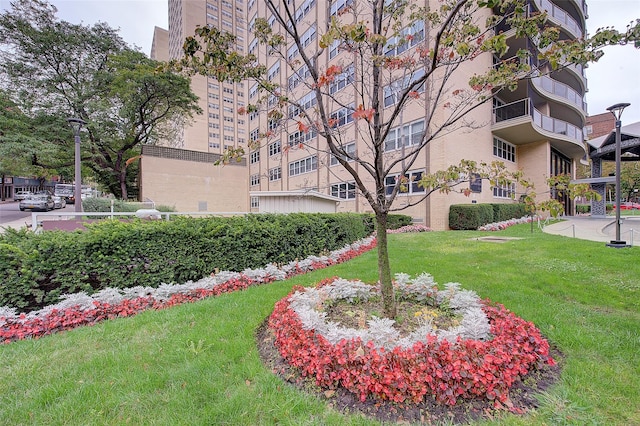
298,77
214,145
303,10
275,174
334,49
254,157
255,202
393,91
298,137
275,148
342,80
338,5
408,37
253,92
341,117
306,102
254,180
408,185
504,150
274,71
305,40
412,133
344,190
505,191
305,165
253,46
350,149
254,135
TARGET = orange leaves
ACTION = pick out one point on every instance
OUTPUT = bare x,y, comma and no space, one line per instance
360,112
304,128
414,94
242,111
329,76
397,62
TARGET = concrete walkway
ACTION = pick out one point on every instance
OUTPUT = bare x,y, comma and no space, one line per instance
597,229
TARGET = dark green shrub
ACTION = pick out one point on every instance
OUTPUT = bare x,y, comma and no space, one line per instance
38,268
396,221
469,216
506,211
583,208
99,205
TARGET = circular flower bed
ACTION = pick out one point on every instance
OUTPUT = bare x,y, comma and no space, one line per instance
482,356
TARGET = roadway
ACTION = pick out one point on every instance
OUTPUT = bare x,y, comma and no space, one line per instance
11,216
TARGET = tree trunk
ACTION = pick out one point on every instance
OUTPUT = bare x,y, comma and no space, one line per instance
384,269
123,184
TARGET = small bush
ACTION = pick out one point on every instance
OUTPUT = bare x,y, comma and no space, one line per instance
583,208
469,216
103,205
506,211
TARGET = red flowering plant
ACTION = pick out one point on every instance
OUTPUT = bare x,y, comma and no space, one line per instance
483,356
81,309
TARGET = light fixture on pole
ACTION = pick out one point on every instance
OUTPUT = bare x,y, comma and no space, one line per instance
76,124
616,110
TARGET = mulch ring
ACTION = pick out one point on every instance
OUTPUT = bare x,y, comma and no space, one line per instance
522,393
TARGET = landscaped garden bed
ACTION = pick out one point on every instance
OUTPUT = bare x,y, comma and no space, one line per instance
450,348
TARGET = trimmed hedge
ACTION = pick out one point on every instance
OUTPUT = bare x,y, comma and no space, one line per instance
473,216
502,212
99,205
469,216
38,268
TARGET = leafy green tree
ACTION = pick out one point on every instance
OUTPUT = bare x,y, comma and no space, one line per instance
455,32
630,180
59,69
31,146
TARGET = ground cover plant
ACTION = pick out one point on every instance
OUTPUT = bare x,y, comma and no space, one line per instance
198,363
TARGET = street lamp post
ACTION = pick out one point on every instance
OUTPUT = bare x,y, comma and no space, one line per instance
76,124
616,110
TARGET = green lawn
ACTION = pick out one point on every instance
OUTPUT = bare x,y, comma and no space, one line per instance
197,364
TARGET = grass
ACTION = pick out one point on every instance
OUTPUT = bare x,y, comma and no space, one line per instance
198,363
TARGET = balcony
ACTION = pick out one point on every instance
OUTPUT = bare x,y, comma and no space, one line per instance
521,123
560,17
560,91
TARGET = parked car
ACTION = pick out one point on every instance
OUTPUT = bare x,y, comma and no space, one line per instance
21,195
40,202
59,202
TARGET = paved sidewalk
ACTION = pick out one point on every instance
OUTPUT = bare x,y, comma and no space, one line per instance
597,229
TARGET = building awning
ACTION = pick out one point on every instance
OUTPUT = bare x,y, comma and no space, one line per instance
295,194
604,147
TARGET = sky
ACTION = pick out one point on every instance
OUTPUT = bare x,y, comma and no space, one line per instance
613,79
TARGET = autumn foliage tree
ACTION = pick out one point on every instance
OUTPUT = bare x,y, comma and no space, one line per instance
446,36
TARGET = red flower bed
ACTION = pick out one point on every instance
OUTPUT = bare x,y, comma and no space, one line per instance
444,371
12,329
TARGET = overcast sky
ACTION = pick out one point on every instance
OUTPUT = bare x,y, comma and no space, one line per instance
615,78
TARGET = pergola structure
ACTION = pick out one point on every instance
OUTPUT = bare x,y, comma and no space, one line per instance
602,149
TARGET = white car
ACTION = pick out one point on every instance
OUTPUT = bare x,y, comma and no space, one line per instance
38,202
59,202
21,195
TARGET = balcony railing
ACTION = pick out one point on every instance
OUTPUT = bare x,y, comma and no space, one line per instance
524,108
560,15
560,89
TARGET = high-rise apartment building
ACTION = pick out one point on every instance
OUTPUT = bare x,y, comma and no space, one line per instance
537,128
